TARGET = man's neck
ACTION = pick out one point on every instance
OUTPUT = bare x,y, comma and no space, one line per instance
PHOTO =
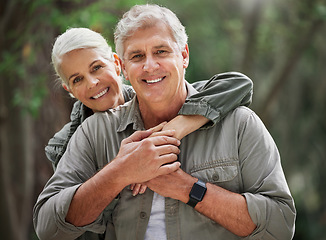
154,114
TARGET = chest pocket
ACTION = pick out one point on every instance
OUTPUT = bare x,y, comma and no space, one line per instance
222,173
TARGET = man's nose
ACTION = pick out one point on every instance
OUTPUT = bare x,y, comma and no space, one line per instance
150,64
92,82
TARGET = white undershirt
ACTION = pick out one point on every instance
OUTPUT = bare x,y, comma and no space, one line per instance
156,224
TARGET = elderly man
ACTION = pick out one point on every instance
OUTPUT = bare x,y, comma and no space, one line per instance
228,181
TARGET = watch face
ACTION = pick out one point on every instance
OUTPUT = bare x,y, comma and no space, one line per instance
198,192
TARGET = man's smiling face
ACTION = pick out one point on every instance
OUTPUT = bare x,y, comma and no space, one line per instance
154,65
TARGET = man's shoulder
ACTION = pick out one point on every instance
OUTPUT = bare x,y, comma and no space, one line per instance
242,111
240,115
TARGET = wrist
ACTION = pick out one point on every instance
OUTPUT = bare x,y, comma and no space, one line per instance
187,189
197,193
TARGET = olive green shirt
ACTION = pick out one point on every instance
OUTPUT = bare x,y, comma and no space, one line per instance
236,153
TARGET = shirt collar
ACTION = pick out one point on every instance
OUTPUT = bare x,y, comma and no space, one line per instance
131,116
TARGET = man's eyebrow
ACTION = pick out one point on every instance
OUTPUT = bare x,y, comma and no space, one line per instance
133,52
162,46
155,47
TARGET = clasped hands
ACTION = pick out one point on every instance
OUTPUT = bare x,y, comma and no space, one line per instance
154,154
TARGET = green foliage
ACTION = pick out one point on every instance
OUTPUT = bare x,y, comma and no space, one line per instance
219,41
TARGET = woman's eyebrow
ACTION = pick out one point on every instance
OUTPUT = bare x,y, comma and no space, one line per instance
92,63
73,75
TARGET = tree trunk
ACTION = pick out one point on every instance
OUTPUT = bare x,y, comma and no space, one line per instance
289,65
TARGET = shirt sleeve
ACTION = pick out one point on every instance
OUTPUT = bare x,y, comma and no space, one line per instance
269,201
50,210
58,143
219,95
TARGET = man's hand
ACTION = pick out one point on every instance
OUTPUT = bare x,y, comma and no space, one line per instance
138,188
141,158
176,185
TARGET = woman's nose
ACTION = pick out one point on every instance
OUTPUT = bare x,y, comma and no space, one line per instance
92,82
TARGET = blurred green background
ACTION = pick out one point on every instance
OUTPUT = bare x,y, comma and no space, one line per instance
279,44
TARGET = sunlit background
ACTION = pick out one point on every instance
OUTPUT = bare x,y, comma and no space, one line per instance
279,44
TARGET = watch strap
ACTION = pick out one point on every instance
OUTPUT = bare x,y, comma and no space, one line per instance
193,200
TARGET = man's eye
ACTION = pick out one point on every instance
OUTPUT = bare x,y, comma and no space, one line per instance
136,57
161,53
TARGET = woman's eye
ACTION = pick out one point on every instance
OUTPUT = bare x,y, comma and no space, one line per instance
97,67
77,79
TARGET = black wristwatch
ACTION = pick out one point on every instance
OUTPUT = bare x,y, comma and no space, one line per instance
197,193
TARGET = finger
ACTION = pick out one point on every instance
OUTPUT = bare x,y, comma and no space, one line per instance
142,189
158,127
167,159
169,168
164,140
136,189
167,149
132,186
169,133
137,136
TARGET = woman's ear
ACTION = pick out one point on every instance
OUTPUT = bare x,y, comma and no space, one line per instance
65,87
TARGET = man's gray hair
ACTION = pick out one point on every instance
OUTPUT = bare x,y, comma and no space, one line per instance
144,16
78,38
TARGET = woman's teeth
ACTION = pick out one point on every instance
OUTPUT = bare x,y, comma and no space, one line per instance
101,93
155,80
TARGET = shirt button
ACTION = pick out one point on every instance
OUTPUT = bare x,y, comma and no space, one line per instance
173,210
215,177
143,215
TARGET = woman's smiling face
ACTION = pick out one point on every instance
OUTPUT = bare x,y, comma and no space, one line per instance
93,79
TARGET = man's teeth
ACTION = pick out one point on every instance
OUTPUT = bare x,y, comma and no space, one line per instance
101,93
154,81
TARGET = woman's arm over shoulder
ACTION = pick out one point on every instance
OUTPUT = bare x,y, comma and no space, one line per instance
216,97
219,95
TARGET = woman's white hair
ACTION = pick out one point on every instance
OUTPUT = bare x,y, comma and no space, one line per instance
78,38
143,16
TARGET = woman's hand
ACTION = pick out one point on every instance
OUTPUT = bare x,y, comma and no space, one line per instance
183,125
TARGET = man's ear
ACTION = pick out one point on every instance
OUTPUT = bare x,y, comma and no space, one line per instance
185,55
123,67
117,62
